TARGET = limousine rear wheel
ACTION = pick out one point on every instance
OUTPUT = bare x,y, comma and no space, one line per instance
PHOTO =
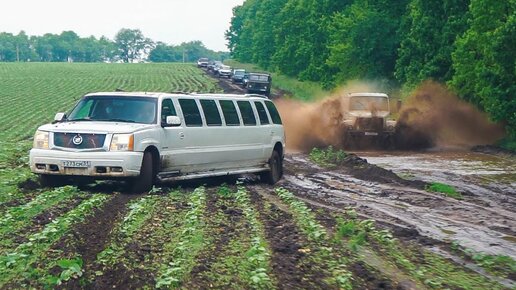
275,171
144,181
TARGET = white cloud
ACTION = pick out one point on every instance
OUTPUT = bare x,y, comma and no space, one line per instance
170,21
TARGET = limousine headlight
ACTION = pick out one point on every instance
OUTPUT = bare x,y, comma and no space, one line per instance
122,142
40,140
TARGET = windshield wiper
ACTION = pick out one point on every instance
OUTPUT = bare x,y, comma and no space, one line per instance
116,120
81,119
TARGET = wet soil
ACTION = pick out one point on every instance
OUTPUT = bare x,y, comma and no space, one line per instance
481,227
89,238
222,232
289,247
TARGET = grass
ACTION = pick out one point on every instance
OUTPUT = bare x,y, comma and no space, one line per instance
327,157
447,190
508,143
296,89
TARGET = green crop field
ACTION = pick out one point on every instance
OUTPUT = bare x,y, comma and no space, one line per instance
187,235
31,93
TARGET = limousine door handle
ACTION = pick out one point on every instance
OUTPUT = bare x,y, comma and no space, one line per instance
181,135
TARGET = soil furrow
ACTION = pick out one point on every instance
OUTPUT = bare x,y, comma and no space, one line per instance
289,248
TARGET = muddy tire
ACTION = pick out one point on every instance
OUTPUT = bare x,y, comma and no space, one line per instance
275,171
48,180
144,182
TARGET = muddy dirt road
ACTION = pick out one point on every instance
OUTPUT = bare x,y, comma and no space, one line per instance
484,220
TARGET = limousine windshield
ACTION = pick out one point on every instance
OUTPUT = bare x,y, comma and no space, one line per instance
115,109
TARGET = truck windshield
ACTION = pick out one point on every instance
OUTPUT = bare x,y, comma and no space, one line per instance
115,109
259,78
365,103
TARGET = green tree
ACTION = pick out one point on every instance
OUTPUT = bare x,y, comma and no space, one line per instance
365,39
429,31
484,60
131,44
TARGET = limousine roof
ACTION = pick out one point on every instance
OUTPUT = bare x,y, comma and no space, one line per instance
175,94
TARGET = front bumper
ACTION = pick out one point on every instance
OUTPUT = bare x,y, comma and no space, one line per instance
100,164
370,134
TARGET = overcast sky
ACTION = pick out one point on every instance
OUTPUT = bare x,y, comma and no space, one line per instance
169,21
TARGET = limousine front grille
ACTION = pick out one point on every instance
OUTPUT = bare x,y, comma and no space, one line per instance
79,141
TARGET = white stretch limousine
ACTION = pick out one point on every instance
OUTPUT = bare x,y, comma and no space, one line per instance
155,137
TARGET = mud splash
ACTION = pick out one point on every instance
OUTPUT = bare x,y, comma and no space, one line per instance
318,124
433,116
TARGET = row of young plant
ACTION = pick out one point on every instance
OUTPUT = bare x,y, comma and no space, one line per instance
34,92
361,236
305,219
180,252
14,171
22,265
17,221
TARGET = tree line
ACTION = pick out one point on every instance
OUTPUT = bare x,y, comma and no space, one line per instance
129,45
466,44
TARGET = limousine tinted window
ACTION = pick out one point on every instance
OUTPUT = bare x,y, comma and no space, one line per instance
230,113
167,109
211,113
191,112
276,119
247,113
262,114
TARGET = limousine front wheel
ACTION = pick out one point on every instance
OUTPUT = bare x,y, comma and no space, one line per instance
275,171
144,181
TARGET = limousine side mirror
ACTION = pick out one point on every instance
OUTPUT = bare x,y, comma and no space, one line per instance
172,121
59,117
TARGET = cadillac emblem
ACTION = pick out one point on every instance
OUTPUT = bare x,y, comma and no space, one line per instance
77,140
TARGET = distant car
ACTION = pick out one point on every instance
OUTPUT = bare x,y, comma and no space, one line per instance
216,67
203,62
259,83
238,76
224,71
245,79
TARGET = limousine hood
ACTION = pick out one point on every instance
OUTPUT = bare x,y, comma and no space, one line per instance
95,127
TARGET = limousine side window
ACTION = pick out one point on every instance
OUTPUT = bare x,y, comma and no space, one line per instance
191,112
247,113
211,113
262,114
276,119
230,113
167,109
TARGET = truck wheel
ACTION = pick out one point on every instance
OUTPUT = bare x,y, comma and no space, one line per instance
49,180
275,171
144,182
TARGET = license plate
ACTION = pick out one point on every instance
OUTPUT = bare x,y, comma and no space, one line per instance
371,133
76,164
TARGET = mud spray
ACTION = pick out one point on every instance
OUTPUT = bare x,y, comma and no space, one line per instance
431,117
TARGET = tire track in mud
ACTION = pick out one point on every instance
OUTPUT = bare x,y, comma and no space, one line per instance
288,245
89,238
433,216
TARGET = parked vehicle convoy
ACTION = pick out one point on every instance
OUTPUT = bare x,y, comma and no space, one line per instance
259,83
224,71
367,117
216,67
203,62
237,76
145,138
